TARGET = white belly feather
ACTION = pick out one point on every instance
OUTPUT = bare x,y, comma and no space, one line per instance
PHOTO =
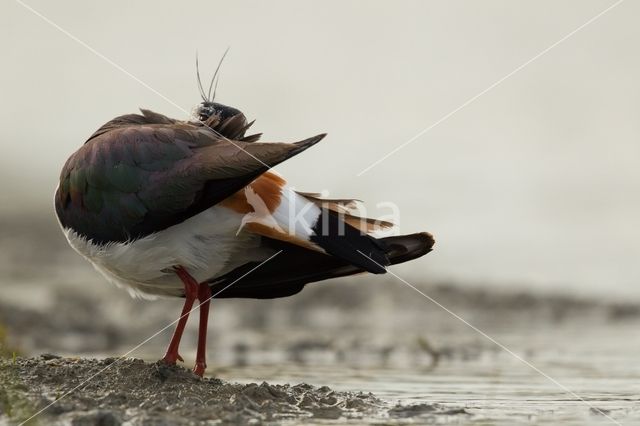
205,244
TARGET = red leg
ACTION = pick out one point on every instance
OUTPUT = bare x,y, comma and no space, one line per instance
204,297
190,294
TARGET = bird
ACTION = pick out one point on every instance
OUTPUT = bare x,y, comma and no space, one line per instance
192,209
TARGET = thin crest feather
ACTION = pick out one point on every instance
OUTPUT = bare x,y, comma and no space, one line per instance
215,89
215,74
204,98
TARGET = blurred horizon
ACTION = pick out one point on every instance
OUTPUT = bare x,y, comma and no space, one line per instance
533,186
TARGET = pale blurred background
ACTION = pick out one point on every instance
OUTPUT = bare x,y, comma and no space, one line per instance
532,191
535,185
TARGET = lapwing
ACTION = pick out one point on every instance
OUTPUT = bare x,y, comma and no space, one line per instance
191,209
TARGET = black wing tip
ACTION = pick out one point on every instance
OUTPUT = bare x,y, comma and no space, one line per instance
426,247
404,248
427,239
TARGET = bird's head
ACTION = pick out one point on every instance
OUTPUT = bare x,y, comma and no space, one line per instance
207,109
224,120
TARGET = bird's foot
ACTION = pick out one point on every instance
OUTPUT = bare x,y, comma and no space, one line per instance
171,359
199,368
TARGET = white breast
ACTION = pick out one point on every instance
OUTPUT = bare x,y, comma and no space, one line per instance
207,245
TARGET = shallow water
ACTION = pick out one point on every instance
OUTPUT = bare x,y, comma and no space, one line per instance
487,393
600,376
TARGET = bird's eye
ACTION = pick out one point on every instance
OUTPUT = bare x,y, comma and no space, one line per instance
205,112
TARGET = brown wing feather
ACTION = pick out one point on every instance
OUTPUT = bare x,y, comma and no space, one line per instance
139,174
345,207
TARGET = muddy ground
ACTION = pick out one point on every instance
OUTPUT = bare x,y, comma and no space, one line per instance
113,391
